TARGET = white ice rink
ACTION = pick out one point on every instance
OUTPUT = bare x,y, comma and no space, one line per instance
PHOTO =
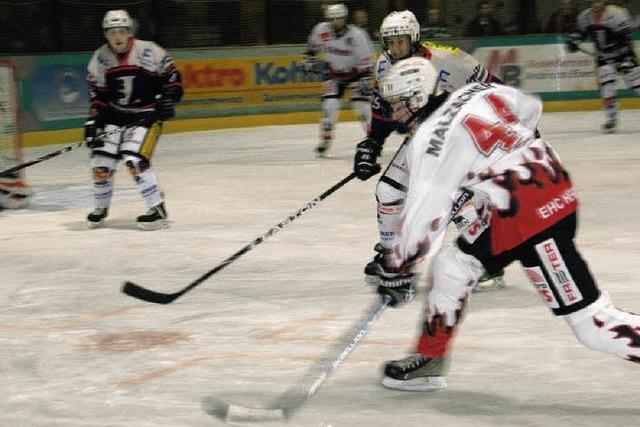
74,351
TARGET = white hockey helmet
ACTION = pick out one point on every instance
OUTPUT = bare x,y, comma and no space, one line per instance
117,18
402,23
410,83
338,10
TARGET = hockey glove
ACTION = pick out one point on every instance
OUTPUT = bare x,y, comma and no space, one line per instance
399,287
165,108
365,86
92,134
573,42
312,67
364,163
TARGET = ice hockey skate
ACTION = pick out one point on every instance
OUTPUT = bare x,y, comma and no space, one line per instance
610,126
96,218
490,282
154,219
322,149
415,373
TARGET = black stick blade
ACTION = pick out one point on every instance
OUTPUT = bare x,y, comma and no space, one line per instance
148,295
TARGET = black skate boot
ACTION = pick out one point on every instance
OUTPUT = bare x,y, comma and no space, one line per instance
96,218
374,269
610,126
415,373
323,148
154,219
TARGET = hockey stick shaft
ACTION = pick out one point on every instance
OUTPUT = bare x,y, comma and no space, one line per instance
294,398
21,166
149,295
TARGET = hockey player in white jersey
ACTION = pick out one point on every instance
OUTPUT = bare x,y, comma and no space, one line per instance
400,32
346,64
134,86
609,28
483,139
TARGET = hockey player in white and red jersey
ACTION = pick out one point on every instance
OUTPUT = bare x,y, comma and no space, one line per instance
483,139
400,32
134,86
346,64
610,28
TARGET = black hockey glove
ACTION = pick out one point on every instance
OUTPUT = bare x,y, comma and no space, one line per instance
312,67
165,108
364,163
573,42
399,287
365,86
92,134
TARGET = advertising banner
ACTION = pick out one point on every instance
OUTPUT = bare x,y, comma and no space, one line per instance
223,84
59,92
546,69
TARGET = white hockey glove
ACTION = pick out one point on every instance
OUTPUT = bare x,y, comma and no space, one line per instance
92,134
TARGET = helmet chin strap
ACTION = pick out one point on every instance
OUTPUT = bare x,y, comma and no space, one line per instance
435,101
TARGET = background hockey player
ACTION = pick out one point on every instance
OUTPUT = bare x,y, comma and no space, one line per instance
347,63
483,138
134,86
400,32
610,28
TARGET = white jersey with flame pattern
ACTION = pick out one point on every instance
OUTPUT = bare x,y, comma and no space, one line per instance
456,68
348,56
483,138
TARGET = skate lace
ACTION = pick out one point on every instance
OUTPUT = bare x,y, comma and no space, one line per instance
412,361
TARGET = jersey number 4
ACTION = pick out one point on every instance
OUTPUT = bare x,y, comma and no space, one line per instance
486,135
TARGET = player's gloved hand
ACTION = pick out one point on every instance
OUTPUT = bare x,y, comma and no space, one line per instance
365,161
165,108
365,86
399,287
312,67
573,41
92,134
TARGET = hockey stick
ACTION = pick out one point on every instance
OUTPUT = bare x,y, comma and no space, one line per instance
294,398
585,51
21,166
149,295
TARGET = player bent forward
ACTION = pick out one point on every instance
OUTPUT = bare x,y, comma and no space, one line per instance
483,138
134,86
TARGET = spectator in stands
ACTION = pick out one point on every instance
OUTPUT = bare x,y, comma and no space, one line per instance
434,27
361,19
484,23
563,20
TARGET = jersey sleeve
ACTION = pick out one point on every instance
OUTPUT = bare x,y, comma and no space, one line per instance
97,88
435,178
170,77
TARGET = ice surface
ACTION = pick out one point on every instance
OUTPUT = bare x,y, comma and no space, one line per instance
76,352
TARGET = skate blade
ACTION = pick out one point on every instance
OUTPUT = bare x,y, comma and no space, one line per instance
415,384
95,224
151,226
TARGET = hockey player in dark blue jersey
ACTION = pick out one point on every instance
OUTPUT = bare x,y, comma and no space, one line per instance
134,86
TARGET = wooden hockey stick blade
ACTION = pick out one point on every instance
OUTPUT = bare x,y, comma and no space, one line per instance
148,295
233,414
